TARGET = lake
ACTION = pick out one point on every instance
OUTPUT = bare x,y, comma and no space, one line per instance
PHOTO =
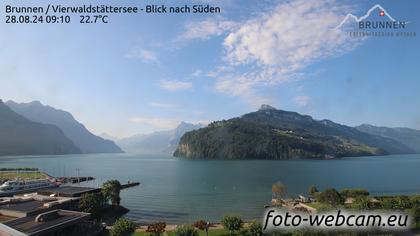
181,191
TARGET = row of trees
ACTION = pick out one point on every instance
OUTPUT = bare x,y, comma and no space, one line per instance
232,224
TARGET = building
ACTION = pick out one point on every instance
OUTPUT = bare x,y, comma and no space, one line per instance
55,222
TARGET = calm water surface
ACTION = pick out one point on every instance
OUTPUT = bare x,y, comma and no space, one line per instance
181,191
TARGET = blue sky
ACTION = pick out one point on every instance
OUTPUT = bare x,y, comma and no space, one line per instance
142,73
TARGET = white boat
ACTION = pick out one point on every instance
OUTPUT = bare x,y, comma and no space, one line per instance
20,186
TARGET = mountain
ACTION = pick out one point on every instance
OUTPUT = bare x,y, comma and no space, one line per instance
107,136
20,136
410,137
276,134
157,142
75,131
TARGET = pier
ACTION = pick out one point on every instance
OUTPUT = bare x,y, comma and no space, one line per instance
129,185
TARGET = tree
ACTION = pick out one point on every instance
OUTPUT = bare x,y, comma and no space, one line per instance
416,215
255,228
312,191
362,203
91,203
203,225
389,203
111,191
123,227
232,223
356,192
186,230
279,190
331,196
156,228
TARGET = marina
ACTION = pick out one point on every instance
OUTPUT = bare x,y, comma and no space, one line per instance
174,190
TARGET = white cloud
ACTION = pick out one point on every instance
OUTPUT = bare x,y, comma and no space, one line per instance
302,101
174,85
207,28
163,123
197,73
242,86
275,46
162,105
143,54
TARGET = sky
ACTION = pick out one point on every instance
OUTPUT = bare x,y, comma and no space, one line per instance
147,72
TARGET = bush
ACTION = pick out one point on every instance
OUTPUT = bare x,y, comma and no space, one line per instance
123,227
330,196
232,223
92,203
362,203
186,230
255,229
416,215
356,192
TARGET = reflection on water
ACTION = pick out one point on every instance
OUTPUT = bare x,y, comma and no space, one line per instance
183,191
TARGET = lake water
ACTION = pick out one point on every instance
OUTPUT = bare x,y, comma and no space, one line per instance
180,191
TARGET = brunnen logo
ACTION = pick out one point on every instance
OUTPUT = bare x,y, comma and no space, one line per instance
383,24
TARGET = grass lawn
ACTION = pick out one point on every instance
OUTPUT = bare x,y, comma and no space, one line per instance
11,175
320,206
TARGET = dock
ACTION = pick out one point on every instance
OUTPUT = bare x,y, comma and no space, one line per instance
129,185
75,180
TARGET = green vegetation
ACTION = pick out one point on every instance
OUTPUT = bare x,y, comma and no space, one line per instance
330,196
255,228
232,223
320,206
357,192
276,134
11,175
92,203
186,230
123,227
111,191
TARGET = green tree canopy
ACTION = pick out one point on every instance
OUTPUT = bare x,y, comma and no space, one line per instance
232,223
91,203
356,192
111,190
255,228
123,227
330,196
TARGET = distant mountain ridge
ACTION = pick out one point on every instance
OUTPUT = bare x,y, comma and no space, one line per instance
20,136
270,133
157,142
75,131
410,137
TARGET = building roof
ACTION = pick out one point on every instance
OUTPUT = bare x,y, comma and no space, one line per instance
21,209
69,191
30,226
